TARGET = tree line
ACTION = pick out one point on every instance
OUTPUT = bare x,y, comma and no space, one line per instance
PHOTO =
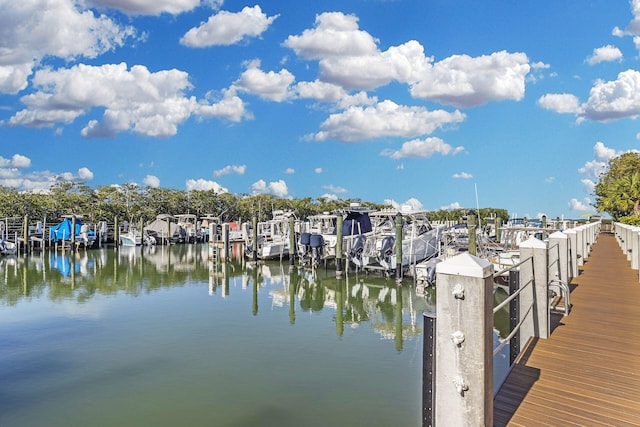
132,202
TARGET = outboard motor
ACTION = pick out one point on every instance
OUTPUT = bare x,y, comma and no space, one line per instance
386,248
355,253
316,241
304,246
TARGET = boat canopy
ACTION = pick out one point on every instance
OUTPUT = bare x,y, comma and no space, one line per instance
62,231
356,223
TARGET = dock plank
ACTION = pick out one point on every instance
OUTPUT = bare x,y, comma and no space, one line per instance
587,372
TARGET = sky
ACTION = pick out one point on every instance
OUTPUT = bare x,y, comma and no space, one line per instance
437,104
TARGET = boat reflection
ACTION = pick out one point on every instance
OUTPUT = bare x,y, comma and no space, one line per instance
389,309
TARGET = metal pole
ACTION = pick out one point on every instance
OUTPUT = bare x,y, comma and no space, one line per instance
514,315
339,246
255,238
292,241
429,371
398,247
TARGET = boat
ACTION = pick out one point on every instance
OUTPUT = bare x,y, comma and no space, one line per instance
420,240
7,247
319,239
188,224
62,232
273,237
164,230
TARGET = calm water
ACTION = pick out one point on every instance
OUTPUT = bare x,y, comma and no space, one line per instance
163,337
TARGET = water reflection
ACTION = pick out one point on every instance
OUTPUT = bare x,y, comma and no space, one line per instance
392,311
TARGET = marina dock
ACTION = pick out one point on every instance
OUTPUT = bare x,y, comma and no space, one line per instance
588,371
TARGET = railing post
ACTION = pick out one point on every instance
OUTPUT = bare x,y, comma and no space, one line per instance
573,252
537,249
559,238
464,342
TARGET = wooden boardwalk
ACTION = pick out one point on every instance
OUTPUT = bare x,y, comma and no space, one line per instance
587,373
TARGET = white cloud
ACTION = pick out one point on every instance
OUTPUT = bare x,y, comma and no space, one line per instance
560,102
85,174
227,28
203,184
155,7
318,170
329,196
422,148
41,28
451,206
463,81
596,167
589,185
135,99
633,28
385,119
615,99
350,58
240,170
17,161
334,189
581,206
270,86
277,188
289,171
412,203
462,175
151,181
604,54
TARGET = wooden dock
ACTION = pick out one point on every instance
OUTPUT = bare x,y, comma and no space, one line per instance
587,373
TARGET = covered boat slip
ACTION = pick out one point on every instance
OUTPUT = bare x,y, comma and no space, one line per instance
588,371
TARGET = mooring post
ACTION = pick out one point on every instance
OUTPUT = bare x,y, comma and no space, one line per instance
25,234
254,243
73,234
464,342
398,247
292,241
339,246
115,233
224,256
514,316
497,224
471,229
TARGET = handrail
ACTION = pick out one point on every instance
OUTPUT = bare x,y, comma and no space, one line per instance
513,267
516,329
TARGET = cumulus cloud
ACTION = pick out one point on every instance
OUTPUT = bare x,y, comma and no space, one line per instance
349,57
615,99
42,28
412,204
318,170
227,28
270,85
560,102
155,7
462,175
593,169
289,171
334,189
203,184
463,81
633,28
581,206
451,206
589,185
151,181
85,174
385,119
240,170
276,188
422,148
17,161
137,100
606,53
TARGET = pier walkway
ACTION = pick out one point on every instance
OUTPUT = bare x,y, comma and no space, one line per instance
587,373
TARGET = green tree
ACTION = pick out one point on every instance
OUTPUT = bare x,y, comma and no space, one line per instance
618,190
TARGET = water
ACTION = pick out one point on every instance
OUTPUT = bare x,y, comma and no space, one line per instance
161,336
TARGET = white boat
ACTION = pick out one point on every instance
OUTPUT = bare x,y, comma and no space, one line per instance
133,237
189,230
420,240
273,237
319,239
7,247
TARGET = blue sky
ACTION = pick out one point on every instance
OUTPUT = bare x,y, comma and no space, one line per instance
418,102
